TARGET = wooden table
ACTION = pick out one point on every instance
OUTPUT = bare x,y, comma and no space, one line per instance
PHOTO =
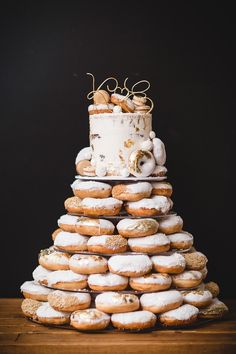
18,335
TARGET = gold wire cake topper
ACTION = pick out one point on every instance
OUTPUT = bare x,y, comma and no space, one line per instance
134,91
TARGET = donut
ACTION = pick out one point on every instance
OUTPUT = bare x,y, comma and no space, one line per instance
107,244
104,206
159,151
100,108
68,222
137,227
170,224
171,264
187,279
107,282
68,301
66,280
47,315
198,298
146,145
55,233
112,302
132,192
92,189
94,227
213,288
141,163
88,264
70,241
101,97
90,319
156,243
156,205
181,240
40,274
84,168
130,265
151,282
195,260
159,171
124,102
136,320
84,154
184,315
53,260
29,308
161,301
162,188
204,272
73,205
34,291
217,309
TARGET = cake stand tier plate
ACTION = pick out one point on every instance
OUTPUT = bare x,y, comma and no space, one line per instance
119,178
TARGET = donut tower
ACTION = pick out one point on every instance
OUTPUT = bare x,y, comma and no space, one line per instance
121,258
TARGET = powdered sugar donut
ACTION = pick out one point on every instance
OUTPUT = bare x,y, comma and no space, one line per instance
67,222
53,260
90,319
159,151
161,301
195,260
150,244
29,308
136,320
124,102
130,265
98,206
47,315
40,274
70,241
132,192
181,240
141,163
94,227
92,189
34,291
66,280
217,309
187,279
171,264
107,282
112,302
84,154
159,171
198,298
137,227
157,205
73,205
184,315
88,264
68,301
170,224
107,244
162,188
151,282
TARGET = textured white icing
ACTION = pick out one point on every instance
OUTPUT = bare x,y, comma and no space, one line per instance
135,224
149,241
64,276
89,185
139,187
102,223
84,154
100,106
68,220
40,273
133,317
111,298
33,288
161,185
183,312
108,203
133,263
156,202
82,297
189,275
141,163
103,240
159,151
70,239
181,237
89,316
171,220
146,145
154,278
195,296
56,258
172,260
107,279
45,310
161,298
86,260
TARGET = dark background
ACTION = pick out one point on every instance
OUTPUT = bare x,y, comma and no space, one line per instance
185,50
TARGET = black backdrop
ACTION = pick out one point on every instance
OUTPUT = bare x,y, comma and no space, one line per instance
186,51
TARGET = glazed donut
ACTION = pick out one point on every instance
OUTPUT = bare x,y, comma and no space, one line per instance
107,244
151,282
159,151
213,288
105,206
112,302
170,224
94,227
47,315
92,189
159,171
101,97
181,240
67,222
141,163
73,205
136,320
156,243
29,308
124,102
217,309
162,188
90,319
100,108
184,315
161,301
132,192
137,227
198,298
40,274
71,242
34,291
66,280
107,282
157,205
53,260
195,260
130,265
187,279
68,301
88,264
171,264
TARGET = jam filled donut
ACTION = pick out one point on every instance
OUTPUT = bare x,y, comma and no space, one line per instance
187,279
94,227
90,319
47,315
137,227
53,260
29,308
181,240
157,205
100,108
104,206
141,163
92,189
40,274
66,280
68,222
132,192
195,260
162,188
68,301
171,264
112,302
71,242
161,301
198,298
73,205
107,282
156,243
151,282
130,265
170,224
34,291
213,288
184,315
88,264
107,244
136,320
124,102
217,309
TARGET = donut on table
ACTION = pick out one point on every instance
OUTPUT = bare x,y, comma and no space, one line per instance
187,279
195,260
68,301
68,222
162,188
29,308
54,260
137,227
107,282
136,320
40,274
170,224
34,291
217,309
132,192
47,315
171,264
91,189
107,244
213,288
151,282
156,243
88,264
161,301
104,206
198,298
156,205
70,241
94,227
130,265
181,240
73,205
184,315
66,280
90,319
113,302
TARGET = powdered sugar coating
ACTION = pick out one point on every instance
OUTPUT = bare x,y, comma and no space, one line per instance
161,203
101,106
172,260
137,224
40,273
70,239
82,297
133,263
181,237
158,239
139,187
55,258
34,288
104,224
161,298
107,279
153,278
111,298
67,219
84,154
89,316
64,276
171,220
195,296
90,185
108,241
133,317
161,185
87,260
47,311
108,203
184,312
189,275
